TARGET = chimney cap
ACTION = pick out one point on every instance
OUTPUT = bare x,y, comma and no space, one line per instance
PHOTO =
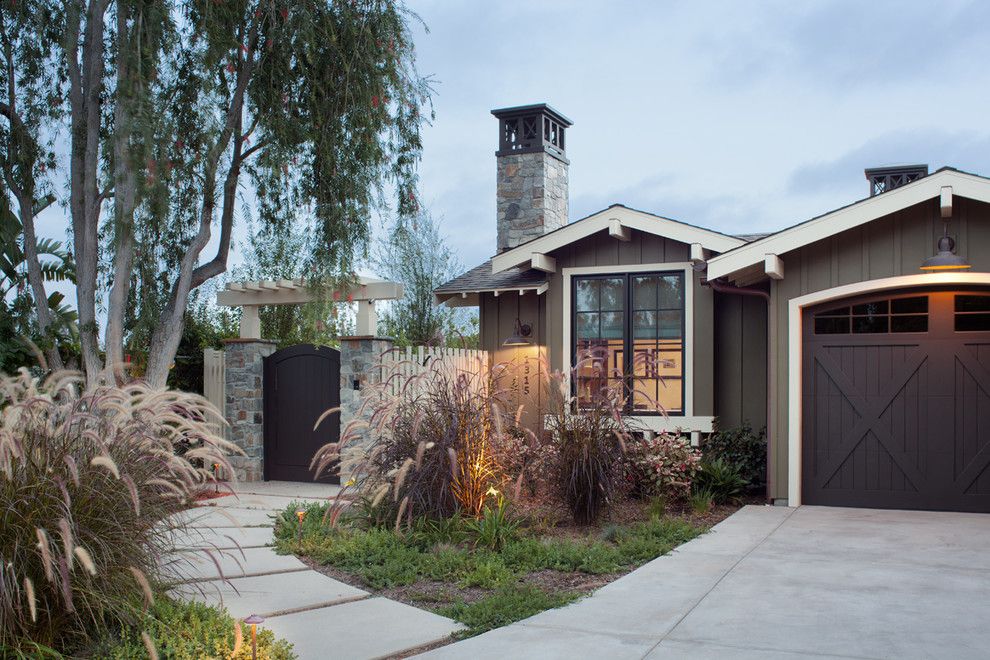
889,177
544,108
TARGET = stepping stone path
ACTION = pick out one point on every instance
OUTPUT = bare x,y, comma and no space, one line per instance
322,617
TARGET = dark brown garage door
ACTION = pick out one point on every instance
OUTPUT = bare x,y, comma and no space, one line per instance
896,402
301,383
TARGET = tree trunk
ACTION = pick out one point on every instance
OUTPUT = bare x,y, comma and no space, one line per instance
37,282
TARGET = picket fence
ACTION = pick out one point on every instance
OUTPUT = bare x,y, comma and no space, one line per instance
215,386
413,360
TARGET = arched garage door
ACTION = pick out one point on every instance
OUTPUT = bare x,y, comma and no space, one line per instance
896,401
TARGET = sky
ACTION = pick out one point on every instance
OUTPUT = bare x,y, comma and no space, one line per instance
739,116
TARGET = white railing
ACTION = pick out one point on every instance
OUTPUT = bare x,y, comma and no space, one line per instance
215,385
399,365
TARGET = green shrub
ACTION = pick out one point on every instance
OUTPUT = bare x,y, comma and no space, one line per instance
742,447
494,528
701,501
721,479
662,465
90,491
505,606
190,631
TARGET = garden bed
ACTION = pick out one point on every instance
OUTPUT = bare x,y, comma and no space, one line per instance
546,561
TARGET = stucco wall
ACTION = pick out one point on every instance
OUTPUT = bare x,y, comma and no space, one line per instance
890,246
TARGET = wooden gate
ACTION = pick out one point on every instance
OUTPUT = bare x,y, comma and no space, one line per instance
897,402
301,383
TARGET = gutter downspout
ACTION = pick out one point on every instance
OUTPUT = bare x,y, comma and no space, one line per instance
719,287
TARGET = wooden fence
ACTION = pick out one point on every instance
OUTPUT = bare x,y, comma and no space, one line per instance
413,360
215,385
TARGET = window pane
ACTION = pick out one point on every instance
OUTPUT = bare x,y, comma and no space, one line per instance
870,308
612,294
869,324
837,325
841,311
644,292
645,325
670,325
587,325
972,322
612,325
670,397
973,303
915,305
909,323
671,292
587,295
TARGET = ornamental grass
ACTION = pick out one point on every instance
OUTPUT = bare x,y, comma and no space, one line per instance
90,489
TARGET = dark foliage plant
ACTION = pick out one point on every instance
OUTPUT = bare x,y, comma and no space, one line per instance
720,479
743,447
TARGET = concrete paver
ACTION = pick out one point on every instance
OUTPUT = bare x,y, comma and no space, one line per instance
782,584
199,564
224,539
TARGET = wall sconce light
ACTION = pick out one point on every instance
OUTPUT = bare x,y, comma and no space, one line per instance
520,335
254,620
946,259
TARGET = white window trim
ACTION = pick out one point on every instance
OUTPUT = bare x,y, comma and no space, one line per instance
795,350
687,421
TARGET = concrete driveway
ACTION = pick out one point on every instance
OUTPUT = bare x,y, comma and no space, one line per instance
775,583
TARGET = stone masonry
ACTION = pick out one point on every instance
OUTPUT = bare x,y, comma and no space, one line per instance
531,196
244,364
360,358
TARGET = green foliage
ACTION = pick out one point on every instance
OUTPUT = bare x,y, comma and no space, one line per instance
742,447
505,606
90,491
205,326
701,501
721,479
190,631
494,528
662,465
416,254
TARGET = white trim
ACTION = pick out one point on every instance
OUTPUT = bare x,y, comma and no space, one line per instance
540,261
604,220
945,203
660,423
854,215
568,273
773,266
795,358
617,231
697,253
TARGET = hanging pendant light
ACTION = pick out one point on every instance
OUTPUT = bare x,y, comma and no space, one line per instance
946,259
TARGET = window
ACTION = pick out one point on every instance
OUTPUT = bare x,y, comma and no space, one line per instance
629,331
895,315
972,313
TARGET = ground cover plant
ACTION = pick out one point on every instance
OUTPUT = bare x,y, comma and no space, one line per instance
456,567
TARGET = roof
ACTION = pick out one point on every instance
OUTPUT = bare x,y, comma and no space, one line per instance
748,255
463,289
616,219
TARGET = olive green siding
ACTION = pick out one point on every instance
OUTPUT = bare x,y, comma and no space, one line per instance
890,246
498,314
740,360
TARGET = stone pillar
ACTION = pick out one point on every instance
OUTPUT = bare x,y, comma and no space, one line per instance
245,396
360,359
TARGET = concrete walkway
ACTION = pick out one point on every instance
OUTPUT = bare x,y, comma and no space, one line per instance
779,583
321,616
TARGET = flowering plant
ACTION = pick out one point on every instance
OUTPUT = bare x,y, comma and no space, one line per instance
664,464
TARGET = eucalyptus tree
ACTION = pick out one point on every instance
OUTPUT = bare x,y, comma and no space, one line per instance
180,110
28,104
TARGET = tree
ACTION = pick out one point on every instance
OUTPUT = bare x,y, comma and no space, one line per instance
27,72
417,255
179,109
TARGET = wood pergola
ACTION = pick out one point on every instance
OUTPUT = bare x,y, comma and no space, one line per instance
249,296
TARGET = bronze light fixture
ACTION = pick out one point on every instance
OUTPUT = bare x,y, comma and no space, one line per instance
520,335
946,259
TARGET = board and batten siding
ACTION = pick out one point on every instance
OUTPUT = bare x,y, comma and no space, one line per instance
740,361
890,246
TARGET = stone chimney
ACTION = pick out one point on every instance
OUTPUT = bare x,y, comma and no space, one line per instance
532,173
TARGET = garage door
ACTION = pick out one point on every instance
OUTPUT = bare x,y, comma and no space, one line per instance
896,402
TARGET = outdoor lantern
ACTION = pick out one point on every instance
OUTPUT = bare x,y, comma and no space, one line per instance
300,514
254,620
946,259
519,335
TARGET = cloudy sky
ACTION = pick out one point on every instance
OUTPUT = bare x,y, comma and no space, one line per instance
741,117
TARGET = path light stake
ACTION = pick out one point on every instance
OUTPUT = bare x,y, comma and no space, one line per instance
300,514
216,478
254,620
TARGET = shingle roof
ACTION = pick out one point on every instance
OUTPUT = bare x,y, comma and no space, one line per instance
481,278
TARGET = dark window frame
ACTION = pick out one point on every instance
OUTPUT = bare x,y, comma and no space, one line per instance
856,315
627,335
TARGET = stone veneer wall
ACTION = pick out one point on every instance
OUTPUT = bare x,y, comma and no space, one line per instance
243,361
359,360
531,197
